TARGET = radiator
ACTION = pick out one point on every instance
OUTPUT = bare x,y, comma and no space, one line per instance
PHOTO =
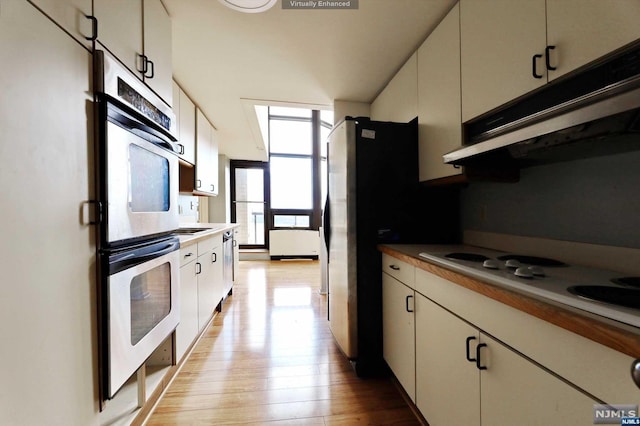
294,243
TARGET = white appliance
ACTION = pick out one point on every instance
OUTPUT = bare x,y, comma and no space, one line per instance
598,291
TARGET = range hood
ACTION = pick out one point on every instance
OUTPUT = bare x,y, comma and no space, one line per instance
593,111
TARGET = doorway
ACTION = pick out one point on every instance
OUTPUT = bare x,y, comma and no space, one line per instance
249,195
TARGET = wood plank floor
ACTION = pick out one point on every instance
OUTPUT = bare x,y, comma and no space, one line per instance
269,359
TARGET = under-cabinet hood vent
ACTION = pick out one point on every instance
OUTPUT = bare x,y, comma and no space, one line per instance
593,111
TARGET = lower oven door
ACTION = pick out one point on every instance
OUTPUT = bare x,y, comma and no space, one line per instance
142,306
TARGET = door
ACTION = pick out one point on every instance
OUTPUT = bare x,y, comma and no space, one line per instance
249,195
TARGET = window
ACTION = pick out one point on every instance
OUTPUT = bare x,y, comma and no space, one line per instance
297,166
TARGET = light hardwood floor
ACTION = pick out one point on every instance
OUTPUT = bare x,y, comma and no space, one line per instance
269,359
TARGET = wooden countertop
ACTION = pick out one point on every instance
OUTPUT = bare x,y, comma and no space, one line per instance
618,336
208,229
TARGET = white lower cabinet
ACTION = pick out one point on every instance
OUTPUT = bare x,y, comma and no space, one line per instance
466,377
188,329
458,371
399,332
447,385
209,271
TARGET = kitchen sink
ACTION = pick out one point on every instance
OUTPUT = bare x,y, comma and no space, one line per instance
190,230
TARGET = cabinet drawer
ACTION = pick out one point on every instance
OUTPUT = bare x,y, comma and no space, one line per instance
399,270
188,254
209,244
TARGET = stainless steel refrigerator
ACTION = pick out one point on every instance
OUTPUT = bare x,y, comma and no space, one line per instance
372,198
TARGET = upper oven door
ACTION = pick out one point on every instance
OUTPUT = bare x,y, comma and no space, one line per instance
141,186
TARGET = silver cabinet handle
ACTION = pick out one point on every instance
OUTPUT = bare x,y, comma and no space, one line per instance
635,372
394,267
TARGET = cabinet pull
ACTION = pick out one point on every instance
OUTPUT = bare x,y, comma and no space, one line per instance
142,64
406,303
534,68
394,267
198,268
469,339
635,372
181,149
188,255
478,360
213,188
153,69
214,257
547,58
198,183
94,28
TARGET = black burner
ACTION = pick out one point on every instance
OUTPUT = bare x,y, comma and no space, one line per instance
532,260
627,281
614,295
473,257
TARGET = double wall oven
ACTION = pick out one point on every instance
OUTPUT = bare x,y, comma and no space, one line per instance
137,180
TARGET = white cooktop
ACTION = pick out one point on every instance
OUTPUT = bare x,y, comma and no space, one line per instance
552,286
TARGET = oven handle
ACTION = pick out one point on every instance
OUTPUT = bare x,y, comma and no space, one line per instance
128,122
124,260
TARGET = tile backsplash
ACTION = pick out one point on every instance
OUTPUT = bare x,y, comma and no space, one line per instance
188,208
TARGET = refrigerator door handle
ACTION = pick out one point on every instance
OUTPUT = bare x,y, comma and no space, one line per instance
326,224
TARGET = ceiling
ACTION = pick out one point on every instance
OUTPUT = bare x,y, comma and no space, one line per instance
227,61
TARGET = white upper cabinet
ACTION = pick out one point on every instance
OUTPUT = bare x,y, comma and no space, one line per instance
584,30
157,48
72,15
439,120
512,47
120,30
185,111
140,38
206,173
398,101
499,39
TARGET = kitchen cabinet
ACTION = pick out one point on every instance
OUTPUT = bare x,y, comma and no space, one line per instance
439,99
139,35
185,111
506,45
206,173
464,371
398,329
48,264
209,271
187,330
447,385
72,15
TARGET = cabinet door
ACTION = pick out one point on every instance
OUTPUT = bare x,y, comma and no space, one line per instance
213,162
206,289
498,41
217,261
516,391
187,127
157,48
46,143
439,119
398,332
584,30
447,385
120,30
187,330
206,156
70,15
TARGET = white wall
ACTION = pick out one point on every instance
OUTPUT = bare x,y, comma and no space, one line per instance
399,99
342,109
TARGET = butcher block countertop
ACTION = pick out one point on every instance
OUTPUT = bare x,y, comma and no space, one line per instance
615,335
